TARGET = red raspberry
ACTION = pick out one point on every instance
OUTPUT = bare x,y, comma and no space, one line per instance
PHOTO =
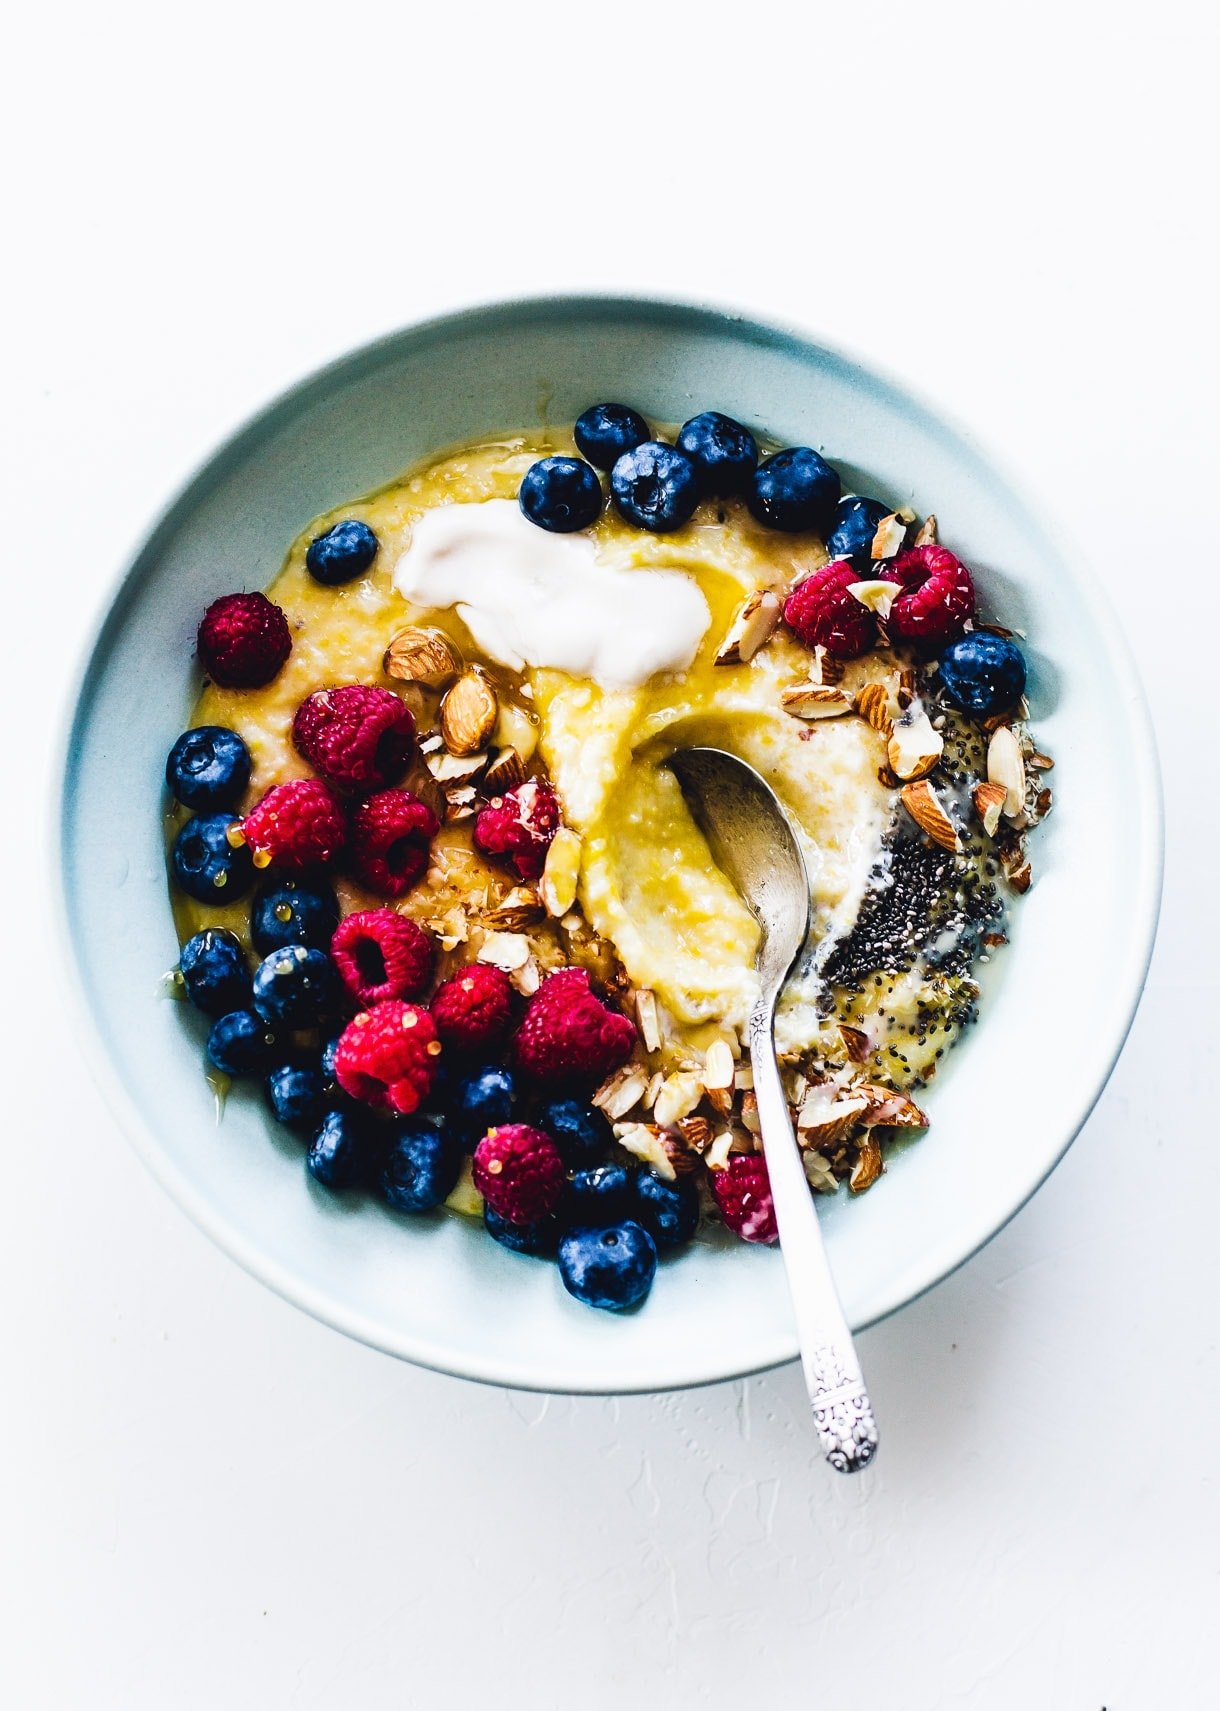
243,641
568,1035
356,737
392,834
387,1056
519,1172
938,601
381,954
296,825
472,1010
520,825
743,1194
821,613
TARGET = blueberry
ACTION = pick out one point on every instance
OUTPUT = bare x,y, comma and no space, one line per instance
655,487
208,768
342,553
669,1211
214,972
538,1239
293,912
580,1131
326,1061
206,865
297,1095
242,1043
422,1166
856,522
725,454
606,431
597,1197
794,491
296,987
482,1100
611,1268
983,673
344,1149
561,494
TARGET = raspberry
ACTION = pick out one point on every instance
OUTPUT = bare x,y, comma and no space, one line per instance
243,641
391,836
381,954
356,737
471,1011
520,825
519,1172
387,1056
568,1035
743,1194
821,613
938,601
296,825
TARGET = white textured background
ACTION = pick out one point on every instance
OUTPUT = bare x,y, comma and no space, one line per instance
208,1500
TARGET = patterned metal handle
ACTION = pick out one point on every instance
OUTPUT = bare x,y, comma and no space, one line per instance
842,1412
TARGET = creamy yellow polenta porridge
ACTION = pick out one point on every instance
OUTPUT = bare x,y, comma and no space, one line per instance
528,656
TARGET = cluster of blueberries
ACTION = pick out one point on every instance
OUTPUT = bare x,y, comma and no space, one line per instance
613,1219
657,486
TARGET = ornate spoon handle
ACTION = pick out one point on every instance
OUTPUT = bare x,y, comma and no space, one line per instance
842,1412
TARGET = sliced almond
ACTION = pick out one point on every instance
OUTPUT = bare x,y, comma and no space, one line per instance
906,687
856,1043
448,769
819,1174
877,594
988,802
926,535
696,1132
460,804
505,950
887,1109
872,703
717,1155
823,1119
1006,767
812,701
646,1019
679,1095
721,1101
505,771
718,1066
754,623
924,806
420,782
646,1141
528,978
620,1091
868,1167
890,534
561,874
1041,762
468,713
825,668
914,747
1018,872
743,1077
421,656
521,907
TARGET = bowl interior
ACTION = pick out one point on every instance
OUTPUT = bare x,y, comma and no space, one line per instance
1011,1096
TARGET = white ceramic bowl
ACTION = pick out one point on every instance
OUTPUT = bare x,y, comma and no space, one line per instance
436,1290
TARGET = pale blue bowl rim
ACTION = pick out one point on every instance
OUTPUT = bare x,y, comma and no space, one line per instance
707,315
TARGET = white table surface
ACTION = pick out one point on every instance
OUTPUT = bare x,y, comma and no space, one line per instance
207,1500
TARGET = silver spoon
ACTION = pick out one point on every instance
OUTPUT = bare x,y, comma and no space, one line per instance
753,842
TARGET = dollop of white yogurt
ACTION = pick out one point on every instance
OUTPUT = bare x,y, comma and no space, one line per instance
532,599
